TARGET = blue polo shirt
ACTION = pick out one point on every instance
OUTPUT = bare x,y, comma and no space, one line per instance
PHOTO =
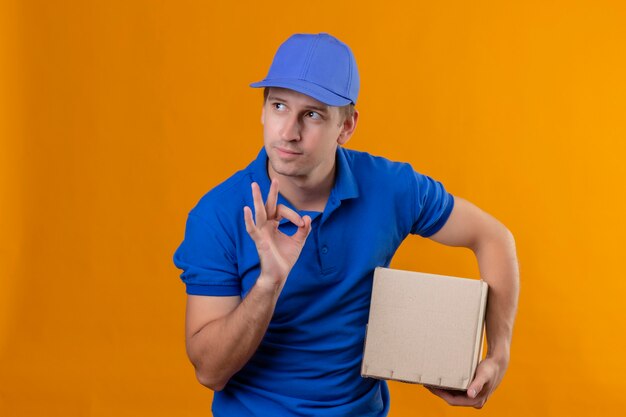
309,361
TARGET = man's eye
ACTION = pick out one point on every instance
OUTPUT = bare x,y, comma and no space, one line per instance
279,106
314,115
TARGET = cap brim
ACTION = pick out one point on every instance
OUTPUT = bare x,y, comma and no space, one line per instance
305,87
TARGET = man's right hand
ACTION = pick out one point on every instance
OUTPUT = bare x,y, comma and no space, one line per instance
222,333
278,252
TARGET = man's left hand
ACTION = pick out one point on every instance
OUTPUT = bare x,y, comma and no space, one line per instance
488,376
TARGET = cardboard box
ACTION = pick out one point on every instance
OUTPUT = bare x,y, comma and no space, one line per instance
425,328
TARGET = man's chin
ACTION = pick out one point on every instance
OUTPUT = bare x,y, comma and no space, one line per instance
287,173
284,171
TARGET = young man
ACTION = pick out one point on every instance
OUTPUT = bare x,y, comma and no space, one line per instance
279,283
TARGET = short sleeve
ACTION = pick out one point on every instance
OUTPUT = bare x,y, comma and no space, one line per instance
432,205
207,259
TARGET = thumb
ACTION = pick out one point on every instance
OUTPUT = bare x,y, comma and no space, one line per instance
473,392
477,384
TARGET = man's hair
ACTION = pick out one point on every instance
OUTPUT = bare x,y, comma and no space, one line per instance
345,112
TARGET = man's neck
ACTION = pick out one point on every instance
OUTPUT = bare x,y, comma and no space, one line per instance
302,193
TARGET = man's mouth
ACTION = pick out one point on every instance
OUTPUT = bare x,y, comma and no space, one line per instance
287,152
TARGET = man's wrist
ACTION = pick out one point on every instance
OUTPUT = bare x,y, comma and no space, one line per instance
500,355
269,285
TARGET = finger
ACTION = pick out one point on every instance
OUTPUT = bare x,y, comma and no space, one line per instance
247,216
272,198
303,231
443,394
455,398
481,378
474,390
259,208
289,214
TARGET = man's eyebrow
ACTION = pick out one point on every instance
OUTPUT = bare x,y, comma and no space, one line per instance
322,109
312,107
273,97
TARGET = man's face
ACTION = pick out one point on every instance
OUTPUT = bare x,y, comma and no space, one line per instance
302,134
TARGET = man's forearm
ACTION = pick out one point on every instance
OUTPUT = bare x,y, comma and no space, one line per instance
223,346
497,261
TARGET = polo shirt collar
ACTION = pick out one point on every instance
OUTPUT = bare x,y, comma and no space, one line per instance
345,184
259,172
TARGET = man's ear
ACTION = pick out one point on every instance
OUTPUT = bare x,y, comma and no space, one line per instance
263,115
347,128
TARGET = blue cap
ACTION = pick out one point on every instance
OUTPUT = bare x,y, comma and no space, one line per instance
320,66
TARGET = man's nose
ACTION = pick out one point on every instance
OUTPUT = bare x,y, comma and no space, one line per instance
290,130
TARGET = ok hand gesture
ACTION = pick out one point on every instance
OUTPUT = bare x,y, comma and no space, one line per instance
278,252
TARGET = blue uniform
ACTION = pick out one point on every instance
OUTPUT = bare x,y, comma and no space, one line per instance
308,363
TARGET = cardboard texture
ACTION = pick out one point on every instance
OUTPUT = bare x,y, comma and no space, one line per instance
424,328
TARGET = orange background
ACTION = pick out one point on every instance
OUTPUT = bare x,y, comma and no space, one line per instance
117,116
